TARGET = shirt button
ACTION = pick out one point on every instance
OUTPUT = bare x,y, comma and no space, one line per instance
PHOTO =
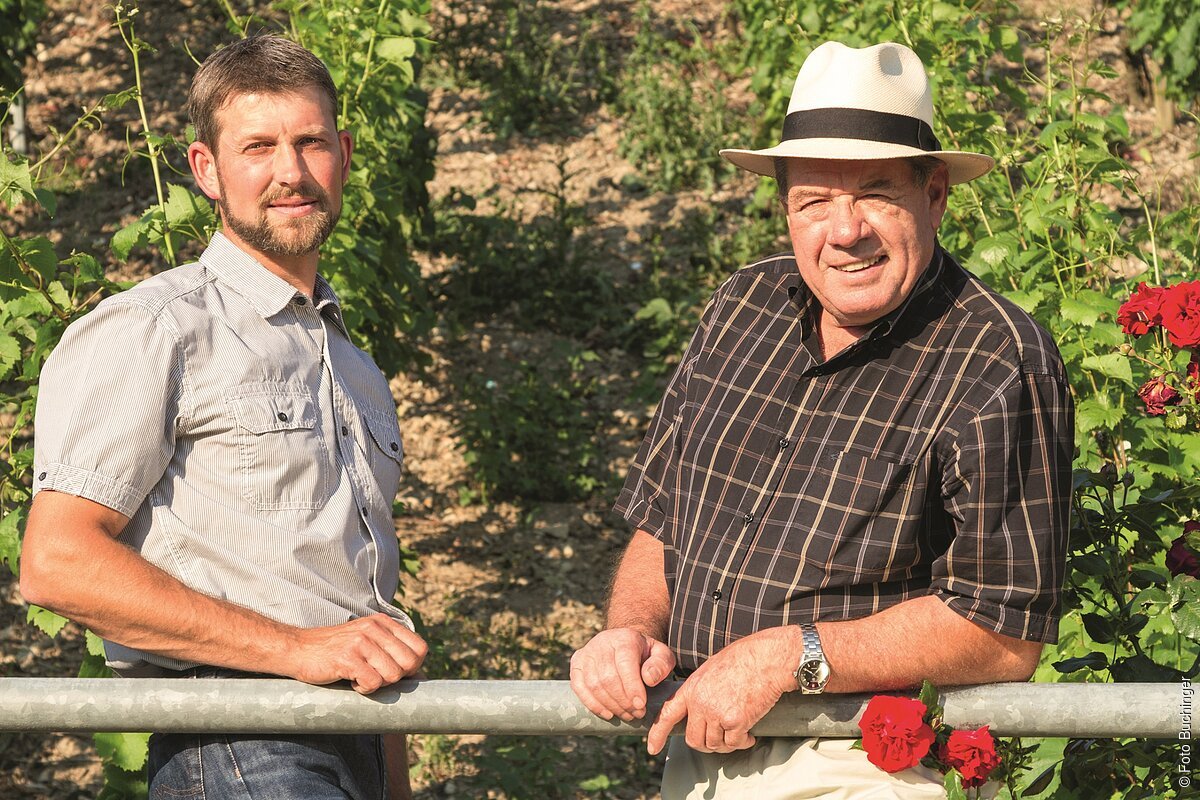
42,476
784,444
748,518
395,447
300,300
716,595
363,510
345,431
282,416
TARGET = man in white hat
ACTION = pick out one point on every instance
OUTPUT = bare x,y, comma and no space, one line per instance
859,475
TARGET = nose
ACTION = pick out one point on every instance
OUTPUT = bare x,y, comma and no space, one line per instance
847,226
289,166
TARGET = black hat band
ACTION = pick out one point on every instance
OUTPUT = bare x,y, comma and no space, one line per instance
858,123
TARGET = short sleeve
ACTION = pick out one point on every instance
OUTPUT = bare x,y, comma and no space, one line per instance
109,397
1008,488
644,499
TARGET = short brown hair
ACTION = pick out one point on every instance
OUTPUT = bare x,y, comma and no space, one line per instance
922,168
265,64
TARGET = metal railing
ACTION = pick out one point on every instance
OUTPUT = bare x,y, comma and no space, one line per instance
1142,710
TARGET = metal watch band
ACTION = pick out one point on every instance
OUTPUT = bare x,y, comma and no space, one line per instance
813,671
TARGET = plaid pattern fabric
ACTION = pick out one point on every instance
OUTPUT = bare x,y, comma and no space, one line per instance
933,456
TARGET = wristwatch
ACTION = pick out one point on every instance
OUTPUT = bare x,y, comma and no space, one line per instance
813,672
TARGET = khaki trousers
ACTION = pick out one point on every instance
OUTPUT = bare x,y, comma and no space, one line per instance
794,769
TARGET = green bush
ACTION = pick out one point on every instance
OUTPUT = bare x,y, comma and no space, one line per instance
533,431
674,111
540,69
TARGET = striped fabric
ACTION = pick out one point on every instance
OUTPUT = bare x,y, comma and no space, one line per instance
255,449
933,456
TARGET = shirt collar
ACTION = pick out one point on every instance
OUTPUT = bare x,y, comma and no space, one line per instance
266,292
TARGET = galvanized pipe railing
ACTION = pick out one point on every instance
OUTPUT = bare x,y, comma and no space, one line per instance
1143,710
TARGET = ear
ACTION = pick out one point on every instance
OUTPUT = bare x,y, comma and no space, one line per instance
204,169
346,141
938,192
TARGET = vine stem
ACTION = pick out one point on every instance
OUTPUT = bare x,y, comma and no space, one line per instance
366,73
125,26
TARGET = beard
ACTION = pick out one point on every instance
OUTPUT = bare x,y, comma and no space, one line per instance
284,236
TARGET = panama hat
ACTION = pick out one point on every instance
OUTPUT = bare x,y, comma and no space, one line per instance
853,104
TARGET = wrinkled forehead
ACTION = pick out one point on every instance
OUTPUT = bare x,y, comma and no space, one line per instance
847,175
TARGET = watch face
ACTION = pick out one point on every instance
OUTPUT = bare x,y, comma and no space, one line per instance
813,675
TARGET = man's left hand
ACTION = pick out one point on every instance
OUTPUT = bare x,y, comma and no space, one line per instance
730,693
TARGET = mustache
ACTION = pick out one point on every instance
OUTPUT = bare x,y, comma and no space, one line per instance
310,190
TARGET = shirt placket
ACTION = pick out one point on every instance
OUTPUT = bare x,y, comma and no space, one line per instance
351,448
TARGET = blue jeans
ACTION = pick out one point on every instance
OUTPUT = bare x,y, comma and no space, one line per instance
189,766
259,766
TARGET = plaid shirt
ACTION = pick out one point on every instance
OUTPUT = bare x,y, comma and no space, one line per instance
931,457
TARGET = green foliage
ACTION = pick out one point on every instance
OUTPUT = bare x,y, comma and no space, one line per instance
374,55
531,272
19,21
672,101
1168,31
540,69
532,432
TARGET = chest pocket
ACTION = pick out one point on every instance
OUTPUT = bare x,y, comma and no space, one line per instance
859,513
285,463
385,451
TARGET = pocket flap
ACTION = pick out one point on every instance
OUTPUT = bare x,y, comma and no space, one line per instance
275,412
385,430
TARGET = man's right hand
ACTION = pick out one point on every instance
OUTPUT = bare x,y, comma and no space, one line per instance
370,652
611,672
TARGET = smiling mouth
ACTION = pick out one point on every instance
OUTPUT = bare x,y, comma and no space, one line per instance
859,266
293,207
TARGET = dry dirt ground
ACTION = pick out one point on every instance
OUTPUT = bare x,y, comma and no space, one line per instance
504,591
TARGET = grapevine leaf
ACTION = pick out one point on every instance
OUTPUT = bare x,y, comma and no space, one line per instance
10,539
45,620
16,182
184,208
39,254
126,751
95,645
397,49
10,352
46,200
127,238
121,784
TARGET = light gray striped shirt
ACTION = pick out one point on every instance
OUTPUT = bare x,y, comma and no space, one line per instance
254,447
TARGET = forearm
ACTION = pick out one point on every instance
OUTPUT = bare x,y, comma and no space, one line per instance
920,639
80,571
638,598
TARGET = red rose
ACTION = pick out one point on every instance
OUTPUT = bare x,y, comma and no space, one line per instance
1181,559
1140,312
1180,313
894,733
1157,395
973,754
1192,376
